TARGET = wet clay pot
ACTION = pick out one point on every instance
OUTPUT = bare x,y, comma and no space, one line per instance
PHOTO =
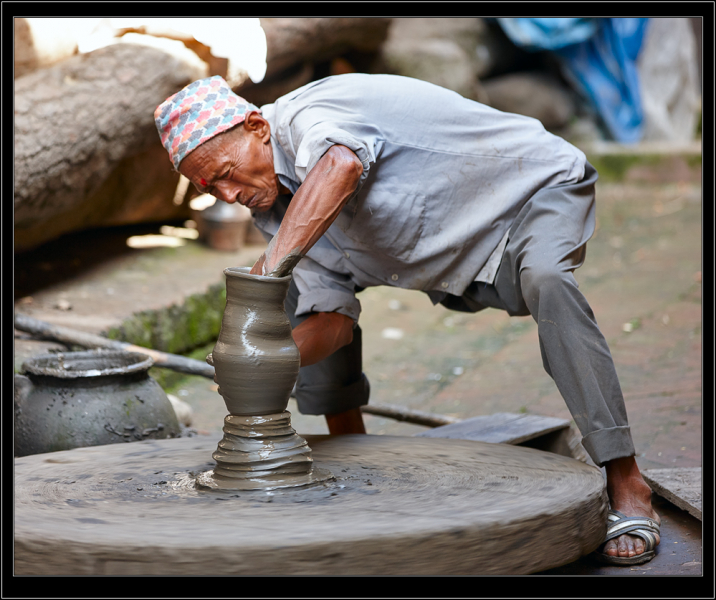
255,357
76,399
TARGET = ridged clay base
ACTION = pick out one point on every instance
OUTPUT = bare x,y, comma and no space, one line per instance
261,453
211,481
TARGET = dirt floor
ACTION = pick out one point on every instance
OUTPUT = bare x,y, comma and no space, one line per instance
642,277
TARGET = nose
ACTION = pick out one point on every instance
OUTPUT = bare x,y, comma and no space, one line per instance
227,191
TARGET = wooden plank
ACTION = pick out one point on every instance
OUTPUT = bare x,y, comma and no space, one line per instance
506,428
681,487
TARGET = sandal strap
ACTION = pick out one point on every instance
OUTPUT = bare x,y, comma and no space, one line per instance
644,527
617,521
648,537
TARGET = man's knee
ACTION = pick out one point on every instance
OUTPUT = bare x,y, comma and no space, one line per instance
542,282
335,384
324,397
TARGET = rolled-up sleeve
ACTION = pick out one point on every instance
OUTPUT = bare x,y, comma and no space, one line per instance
323,290
313,141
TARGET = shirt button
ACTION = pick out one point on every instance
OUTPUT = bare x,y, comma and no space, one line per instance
347,255
445,284
394,277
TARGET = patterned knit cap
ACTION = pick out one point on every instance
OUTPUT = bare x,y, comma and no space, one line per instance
196,114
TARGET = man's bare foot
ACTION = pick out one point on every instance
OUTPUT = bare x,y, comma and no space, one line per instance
630,495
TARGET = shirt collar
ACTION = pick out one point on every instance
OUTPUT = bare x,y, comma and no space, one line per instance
283,167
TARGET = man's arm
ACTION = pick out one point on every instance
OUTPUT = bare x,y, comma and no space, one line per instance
321,334
313,208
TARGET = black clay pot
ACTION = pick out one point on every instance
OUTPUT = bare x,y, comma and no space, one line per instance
75,399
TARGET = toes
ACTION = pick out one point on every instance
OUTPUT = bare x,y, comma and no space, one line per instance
626,546
639,546
611,548
631,550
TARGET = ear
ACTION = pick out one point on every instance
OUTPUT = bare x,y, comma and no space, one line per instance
255,123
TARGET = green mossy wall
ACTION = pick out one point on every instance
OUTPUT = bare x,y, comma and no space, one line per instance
189,329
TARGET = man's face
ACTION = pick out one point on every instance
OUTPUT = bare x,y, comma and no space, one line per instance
236,166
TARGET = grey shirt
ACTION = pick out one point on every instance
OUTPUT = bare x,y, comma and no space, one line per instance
443,179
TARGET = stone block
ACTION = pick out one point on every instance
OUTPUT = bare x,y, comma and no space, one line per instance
533,94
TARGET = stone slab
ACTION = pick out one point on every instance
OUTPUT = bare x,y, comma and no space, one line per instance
681,487
397,506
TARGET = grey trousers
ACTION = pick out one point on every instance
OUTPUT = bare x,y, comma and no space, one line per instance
547,242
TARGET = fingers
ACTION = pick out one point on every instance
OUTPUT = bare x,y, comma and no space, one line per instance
257,269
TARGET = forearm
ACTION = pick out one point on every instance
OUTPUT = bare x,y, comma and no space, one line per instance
321,334
313,208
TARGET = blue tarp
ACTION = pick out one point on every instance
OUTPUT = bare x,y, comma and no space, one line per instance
598,55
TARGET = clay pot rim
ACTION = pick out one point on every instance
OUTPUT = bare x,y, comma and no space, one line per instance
243,272
48,364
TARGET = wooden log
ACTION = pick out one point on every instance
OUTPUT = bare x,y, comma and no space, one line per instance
291,41
139,189
74,124
295,45
86,150
41,43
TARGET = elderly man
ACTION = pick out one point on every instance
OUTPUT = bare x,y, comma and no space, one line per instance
363,180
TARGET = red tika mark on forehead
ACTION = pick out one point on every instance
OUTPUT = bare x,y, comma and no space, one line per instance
202,181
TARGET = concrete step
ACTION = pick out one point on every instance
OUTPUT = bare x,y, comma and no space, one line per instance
655,162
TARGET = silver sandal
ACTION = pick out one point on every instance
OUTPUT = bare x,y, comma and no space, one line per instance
619,524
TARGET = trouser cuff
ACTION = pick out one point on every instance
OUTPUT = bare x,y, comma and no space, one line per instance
604,445
328,400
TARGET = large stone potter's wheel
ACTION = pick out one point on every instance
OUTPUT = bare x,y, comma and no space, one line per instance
397,506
